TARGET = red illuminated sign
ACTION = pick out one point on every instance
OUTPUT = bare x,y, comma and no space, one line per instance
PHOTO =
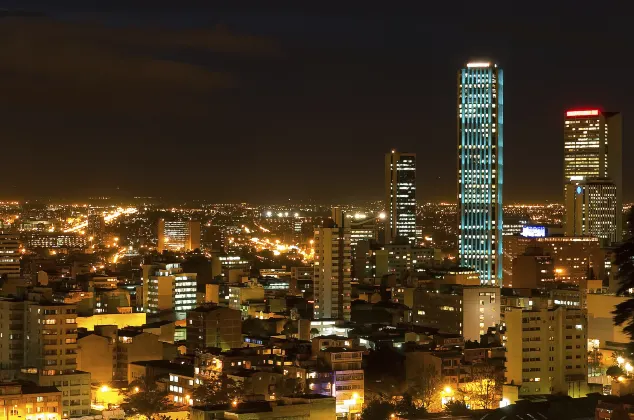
582,113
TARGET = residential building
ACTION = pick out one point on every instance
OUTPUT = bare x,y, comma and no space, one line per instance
301,281
400,196
181,385
303,407
341,377
9,254
50,354
242,295
456,309
531,270
332,274
178,236
547,351
574,258
480,169
26,400
168,288
134,346
214,326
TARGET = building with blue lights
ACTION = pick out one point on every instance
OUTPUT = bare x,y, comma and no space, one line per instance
480,169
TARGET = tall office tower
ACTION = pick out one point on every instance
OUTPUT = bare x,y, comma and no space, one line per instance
591,210
9,254
178,235
400,196
592,149
480,171
332,271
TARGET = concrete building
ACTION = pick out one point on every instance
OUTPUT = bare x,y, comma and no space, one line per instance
332,272
301,281
480,169
241,295
97,354
593,149
26,400
531,270
303,407
547,351
12,333
9,254
168,288
135,346
455,309
591,210
341,377
573,257
50,354
178,236
214,326
400,196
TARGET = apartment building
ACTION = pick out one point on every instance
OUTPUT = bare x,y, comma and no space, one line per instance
547,350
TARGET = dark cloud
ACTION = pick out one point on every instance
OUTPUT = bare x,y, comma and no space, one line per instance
67,67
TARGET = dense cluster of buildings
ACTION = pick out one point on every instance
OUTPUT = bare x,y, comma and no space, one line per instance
295,304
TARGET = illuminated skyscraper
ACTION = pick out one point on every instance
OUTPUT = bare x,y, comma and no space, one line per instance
592,150
400,196
480,174
178,235
591,209
332,268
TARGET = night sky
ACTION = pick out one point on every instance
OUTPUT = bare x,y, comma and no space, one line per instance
260,104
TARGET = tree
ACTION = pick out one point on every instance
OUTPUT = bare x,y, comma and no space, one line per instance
218,390
145,399
425,386
456,408
485,387
407,407
614,371
377,410
624,260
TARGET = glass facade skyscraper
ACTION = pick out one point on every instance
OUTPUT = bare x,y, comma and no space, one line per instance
480,169
400,196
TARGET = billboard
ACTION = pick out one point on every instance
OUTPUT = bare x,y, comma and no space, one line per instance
533,231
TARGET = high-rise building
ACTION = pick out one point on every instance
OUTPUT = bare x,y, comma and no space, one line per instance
591,210
9,255
96,226
480,172
547,351
167,288
50,354
592,149
178,236
400,196
332,268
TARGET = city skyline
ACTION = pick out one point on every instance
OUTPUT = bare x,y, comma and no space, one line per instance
363,100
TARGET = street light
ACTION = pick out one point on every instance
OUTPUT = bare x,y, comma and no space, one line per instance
104,388
620,360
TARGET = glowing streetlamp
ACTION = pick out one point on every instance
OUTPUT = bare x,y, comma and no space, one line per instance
620,360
